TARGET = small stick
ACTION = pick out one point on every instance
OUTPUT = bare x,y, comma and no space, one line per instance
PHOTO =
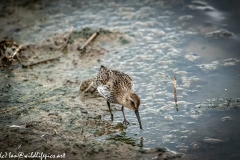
175,91
83,92
43,61
17,148
69,35
10,58
90,85
90,39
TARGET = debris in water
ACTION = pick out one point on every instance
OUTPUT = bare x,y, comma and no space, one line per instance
185,18
162,153
69,35
227,118
192,57
164,108
209,67
43,61
168,117
175,91
82,48
199,5
195,116
212,140
219,33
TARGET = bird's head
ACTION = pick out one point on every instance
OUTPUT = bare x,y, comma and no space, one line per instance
132,101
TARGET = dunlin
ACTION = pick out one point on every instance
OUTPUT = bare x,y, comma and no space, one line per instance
117,87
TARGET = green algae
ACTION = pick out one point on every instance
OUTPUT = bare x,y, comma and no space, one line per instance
123,40
86,33
125,139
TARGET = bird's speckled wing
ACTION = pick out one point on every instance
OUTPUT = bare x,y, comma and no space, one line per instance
122,80
107,93
103,76
105,85
111,83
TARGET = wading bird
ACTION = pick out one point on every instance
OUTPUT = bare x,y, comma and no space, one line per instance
117,87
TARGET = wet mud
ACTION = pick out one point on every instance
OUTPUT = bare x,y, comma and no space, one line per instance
43,110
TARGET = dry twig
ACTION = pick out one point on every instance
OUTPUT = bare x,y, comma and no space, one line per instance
83,92
175,91
43,61
69,35
10,58
89,40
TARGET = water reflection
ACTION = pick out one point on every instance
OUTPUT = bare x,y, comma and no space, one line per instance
202,73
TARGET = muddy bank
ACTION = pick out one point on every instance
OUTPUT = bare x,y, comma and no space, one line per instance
41,110
41,107
46,109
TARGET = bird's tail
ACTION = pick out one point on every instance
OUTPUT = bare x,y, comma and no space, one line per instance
103,74
102,68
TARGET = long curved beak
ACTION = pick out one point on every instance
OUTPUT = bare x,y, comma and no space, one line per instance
138,117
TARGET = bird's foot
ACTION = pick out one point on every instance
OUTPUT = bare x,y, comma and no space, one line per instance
125,122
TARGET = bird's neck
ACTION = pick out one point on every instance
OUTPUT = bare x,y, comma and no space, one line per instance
123,98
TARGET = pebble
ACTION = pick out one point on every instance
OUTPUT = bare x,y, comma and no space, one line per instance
84,111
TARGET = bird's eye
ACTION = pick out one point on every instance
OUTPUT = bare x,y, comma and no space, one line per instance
132,103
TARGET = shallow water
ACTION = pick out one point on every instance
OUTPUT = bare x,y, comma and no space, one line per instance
168,39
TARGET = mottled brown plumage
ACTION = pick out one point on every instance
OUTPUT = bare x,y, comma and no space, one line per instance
117,87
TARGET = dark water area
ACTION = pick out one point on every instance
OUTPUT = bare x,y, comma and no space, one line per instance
232,10
196,41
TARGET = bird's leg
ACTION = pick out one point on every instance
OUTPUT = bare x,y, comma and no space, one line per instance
125,120
110,110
